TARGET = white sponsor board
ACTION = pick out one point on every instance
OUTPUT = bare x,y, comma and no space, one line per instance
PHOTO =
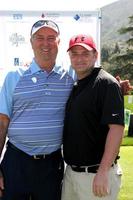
15,26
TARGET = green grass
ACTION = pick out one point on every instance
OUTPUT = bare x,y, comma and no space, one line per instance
127,141
127,105
126,162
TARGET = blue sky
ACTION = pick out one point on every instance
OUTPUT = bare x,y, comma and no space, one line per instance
54,4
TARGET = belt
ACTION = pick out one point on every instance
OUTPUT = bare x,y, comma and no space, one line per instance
36,157
88,169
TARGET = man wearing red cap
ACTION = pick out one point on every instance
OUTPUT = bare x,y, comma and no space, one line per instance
93,127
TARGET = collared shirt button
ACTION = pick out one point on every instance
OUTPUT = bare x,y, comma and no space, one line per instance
47,93
45,85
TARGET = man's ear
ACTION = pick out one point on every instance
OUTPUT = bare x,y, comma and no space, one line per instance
31,41
58,40
96,54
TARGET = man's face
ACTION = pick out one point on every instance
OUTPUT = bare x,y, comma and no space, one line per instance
45,44
82,60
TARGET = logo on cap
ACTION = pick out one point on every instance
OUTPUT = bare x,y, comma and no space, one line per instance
44,23
82,40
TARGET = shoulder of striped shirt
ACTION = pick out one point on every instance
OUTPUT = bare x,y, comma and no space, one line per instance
19,70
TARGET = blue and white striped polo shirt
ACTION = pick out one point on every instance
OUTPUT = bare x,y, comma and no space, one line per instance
35,101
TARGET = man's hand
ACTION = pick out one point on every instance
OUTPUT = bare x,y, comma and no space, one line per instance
101,184
125,85
1,184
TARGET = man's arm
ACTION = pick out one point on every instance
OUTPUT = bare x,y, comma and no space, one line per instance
113,142
4,122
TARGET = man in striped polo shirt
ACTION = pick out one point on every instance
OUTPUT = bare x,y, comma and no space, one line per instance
32,106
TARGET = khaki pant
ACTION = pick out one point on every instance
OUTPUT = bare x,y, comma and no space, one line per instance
78,186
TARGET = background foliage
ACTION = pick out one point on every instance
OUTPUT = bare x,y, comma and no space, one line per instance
117,39
118,60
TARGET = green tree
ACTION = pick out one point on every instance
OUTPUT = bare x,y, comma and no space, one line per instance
105,54
117,48
123,62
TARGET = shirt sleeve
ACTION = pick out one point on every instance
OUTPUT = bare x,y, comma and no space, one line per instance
6,93
113,105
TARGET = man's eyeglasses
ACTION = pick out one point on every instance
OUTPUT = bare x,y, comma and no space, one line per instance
43,23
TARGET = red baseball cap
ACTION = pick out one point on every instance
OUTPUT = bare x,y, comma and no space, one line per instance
85,41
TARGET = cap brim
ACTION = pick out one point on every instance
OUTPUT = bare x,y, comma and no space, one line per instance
43,26
81,44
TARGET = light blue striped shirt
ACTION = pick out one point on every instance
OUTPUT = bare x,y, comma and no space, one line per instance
35,102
